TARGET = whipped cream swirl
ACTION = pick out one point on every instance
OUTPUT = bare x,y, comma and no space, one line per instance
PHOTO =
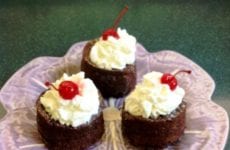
114,53
73,112
151,98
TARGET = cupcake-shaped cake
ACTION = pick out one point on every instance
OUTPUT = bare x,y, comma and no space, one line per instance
153,114
110,62
69,115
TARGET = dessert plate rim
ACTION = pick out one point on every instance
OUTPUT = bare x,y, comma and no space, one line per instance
150,54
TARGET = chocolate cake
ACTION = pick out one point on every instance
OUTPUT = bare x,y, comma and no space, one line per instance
69,113
59,137
151,132
111,83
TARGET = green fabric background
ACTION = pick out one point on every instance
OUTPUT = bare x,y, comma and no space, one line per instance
198,29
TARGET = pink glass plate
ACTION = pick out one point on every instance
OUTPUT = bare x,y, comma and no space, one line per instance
206,123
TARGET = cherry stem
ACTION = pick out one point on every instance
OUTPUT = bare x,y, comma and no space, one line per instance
185,71
48,84
120,15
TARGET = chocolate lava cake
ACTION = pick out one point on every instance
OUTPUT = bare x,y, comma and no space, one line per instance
155,133
59,137
111,83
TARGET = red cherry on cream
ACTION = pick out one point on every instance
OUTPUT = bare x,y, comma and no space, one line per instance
109,32
112,31
170,79
67,89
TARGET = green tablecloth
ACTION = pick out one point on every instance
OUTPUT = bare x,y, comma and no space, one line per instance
197,29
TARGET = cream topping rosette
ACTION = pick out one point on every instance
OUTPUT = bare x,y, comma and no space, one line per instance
114,53
75,111
151,98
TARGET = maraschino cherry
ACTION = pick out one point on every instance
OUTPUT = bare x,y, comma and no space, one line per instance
109,32
170,79
67,89
112,31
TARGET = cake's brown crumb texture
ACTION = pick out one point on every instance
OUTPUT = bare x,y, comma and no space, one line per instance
61,137
155,133
111,83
